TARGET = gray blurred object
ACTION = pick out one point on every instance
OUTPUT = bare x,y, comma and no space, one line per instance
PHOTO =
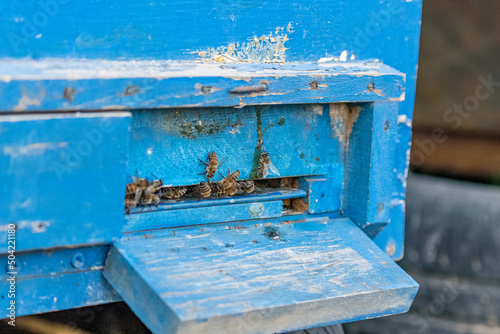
335,329
453,252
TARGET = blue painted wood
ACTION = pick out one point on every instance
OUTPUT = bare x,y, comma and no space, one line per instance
203,215
168,144
63,177
324,193
181,29
44,85
262,278
48,276
259,195
59,292
61,261
369,159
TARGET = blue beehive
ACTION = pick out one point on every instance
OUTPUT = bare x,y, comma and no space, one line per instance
95,94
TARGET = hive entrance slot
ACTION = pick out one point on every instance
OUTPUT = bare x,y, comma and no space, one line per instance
171,198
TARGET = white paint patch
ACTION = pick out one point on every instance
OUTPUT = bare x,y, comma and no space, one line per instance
264,49
403,119
149,151
36,226
318,109
38,36
234,130
25,100
343,56
31,149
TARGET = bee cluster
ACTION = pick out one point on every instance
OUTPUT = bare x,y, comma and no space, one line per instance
145,192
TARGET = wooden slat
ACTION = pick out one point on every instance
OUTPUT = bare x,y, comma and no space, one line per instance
203,215
259,278
63,177
84,85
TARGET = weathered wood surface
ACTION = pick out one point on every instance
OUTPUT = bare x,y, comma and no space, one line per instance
203,215
60,292
62,178
300,140
369,160
259,278
89,85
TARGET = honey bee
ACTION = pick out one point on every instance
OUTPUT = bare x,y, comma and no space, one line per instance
212,165
230,179
152,187
172,192
130,203
134,189
233,189
247,186
149,198
216,189
204,189
264,165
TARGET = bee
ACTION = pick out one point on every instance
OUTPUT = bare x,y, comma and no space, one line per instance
230,179
247,186
204,189
134,189
130,203
149,198
212,165
153,187
172,192
233,189
216,189
264,165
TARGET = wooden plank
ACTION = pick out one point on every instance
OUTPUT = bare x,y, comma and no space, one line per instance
456,155
63,177
60,292
370,152
112,30
30,265
324,193
89,85
203,215
169,144
262,278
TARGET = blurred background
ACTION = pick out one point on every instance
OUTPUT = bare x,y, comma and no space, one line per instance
453,193
452,242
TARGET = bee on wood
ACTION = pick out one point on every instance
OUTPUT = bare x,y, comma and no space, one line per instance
233,189
230,179
172,192
247,186
149,198
130,203
264,165
212,165
216,189
153,187
204,189
134,189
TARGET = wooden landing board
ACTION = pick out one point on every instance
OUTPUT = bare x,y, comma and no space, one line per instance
259,278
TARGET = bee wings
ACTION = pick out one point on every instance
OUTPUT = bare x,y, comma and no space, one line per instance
274,169
221,162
